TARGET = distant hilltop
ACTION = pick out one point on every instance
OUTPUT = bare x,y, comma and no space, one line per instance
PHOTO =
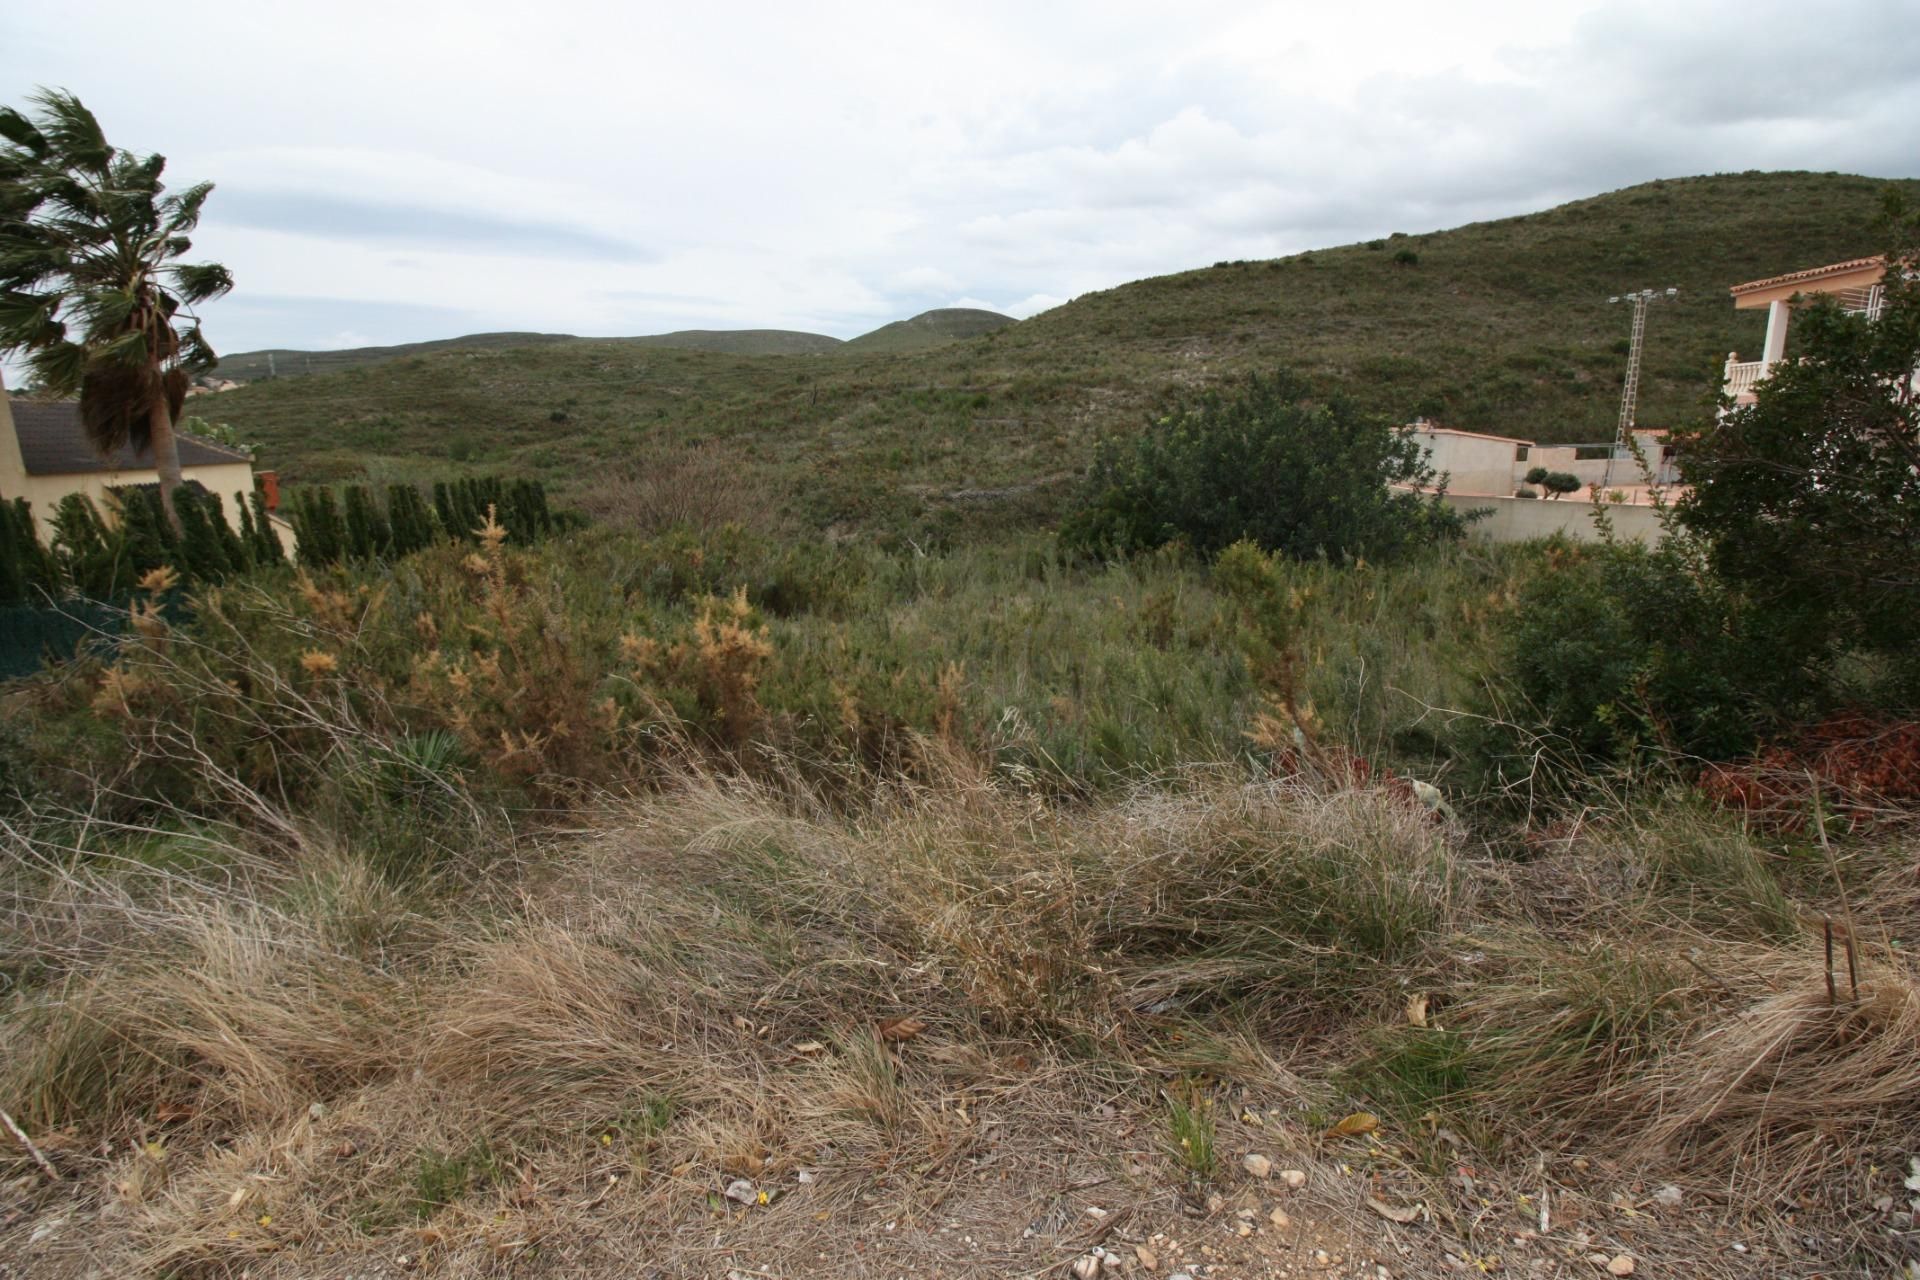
923,332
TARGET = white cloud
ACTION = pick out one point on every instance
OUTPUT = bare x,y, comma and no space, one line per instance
604,167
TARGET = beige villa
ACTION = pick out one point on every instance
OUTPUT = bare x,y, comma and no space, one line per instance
1857,285
44,456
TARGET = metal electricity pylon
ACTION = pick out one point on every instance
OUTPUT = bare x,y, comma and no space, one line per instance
1630,394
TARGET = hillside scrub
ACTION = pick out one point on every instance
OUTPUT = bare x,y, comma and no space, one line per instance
1501,328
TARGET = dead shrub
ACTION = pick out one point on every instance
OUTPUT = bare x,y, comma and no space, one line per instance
701,487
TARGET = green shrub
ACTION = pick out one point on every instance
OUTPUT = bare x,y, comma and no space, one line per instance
1620,649
1263,461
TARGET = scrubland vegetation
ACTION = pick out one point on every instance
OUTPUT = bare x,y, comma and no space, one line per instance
458,907
664,887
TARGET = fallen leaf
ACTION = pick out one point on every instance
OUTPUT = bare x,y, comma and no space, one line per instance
1621,1265
169,1112
901,1028
809,1046
1391,1213
1358,1123
1417,1011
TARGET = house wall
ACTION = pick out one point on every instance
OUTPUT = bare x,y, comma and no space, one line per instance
13,469
1473,464
45,492
1524,519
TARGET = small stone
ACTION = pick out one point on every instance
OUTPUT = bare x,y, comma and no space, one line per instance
316,1111
1087,1267
1620,1265
1257,1165
1244,1229
1216,1202
1294,1178
1668,1197
1883,1203
1280,1219
740,1190
1179,1275
1321,1258
1148,1258
1245,1215
805,1175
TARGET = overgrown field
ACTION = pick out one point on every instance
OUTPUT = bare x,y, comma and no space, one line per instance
712,902
1501,326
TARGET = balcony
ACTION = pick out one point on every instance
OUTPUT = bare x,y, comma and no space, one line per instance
1741,377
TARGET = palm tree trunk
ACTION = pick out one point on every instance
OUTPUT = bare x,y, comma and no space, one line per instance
166,454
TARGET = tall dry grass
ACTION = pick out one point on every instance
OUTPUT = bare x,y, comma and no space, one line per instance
732,977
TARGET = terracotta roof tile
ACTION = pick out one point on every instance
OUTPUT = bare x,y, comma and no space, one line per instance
1811,273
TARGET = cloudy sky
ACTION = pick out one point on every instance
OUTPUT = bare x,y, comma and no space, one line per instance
414,169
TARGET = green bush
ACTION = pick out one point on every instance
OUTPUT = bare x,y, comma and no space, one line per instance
1621,649
1263,461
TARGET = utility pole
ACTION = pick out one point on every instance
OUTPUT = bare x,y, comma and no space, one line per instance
1630,394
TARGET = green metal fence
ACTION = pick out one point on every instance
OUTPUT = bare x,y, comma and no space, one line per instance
32,635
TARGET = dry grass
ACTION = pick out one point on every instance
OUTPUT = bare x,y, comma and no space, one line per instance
925,1004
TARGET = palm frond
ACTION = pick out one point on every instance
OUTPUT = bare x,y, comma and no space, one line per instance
60,367
75,137
198,282
103,313
129,350
181,213
196,354
29,321
19,130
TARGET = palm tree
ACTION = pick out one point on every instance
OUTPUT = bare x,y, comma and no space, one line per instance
91,289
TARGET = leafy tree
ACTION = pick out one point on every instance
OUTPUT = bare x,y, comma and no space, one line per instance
1265,461
1558,484
1809,498
92,289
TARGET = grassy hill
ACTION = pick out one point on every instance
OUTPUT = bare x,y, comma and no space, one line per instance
742,342
284,362
931,329
1500,326
258,366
